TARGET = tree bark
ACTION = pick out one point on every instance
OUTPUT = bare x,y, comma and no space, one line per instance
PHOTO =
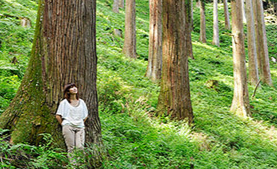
129,48
189,25
121,3
240,104
252,52
261,41
226,14
155,41
174,98
215,27
116,6
202,38
64,50
243,13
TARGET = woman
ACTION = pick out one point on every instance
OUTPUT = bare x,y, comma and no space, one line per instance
71,114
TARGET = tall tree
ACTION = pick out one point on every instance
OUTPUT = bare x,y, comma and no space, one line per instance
64,50
174,97
155,41
240,104
243,12
215,27
129,48
226,14
202,38
121,3
261,41
116,6
252,52
189,25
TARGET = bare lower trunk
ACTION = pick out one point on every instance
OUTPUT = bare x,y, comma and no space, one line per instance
116,6
191,24
121,3
188,12
252,52
129,48
155,41
202,22
240,104
215,27
64,50
226,14
261,41
174,99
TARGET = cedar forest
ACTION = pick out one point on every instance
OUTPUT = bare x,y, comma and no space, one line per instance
168,83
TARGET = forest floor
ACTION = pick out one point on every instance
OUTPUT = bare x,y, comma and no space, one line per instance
132,134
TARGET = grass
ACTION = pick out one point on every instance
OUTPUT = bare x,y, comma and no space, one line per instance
132,134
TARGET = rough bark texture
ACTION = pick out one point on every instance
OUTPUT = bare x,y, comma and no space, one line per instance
240,104
155,41
64,50
188,25
116,6
202,38
215,27
129,48
226,14
252,52
174,97
261,41
191,24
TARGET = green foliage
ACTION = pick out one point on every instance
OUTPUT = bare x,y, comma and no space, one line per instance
133,136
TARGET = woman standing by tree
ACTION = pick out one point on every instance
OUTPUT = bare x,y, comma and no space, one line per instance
71,114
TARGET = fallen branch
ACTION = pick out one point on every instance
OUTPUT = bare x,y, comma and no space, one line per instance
256,89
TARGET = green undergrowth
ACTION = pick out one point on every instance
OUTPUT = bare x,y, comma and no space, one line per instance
132,133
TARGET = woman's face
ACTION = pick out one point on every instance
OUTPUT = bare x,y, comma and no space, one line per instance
73,90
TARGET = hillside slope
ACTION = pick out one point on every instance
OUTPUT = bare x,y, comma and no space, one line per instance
133,135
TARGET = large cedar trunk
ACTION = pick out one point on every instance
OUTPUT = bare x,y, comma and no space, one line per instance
261,42
155,41
202,38
64,50
215,27
129,48
174,99
252,52
240,104
226,14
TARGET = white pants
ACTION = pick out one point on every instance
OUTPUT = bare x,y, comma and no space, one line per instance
74,137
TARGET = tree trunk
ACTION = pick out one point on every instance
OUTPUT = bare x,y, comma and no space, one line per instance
243,12
226,14
261,41
64,50
215,28
121,3
189,25
174,99
116,6
240,104
129,48
155,41
252,52
202,38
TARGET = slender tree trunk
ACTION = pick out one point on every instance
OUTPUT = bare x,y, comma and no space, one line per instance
252,52
155,41
215,28
116,6
129,48
191,2
121,3
226,14
243,13
240,104
202,22
261,41
64,50
174,99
